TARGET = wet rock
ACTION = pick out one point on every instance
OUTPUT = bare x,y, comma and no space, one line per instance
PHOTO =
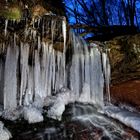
4,132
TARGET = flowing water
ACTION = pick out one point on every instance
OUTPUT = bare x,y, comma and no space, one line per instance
79,122
45,64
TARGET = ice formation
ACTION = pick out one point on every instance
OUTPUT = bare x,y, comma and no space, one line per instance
129,118
85,95
32,115
12,114
106,69
4,133
34,68
58,106
52,68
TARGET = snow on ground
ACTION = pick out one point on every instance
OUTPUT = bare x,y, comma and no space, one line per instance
49,100
128,118
38,102
58,104
4,133
12,115
56,110
32,114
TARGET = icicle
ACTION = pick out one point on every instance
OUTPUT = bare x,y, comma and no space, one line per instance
1,80
6,24
24,70
76,75
53,26
82,59
64,27
106,69
44,66
43,28
46,60
37,73
39,43
54,70
97,80
10,83
33,34
49,71
38,22
57,72
87,67
86,73
64,30
28,99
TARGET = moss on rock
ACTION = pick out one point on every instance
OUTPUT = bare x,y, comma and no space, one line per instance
12,13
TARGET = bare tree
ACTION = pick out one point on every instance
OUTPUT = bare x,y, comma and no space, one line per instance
92,15
129,9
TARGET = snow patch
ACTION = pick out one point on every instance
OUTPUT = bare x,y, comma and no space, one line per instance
4,133
32,115
56,110
58,107
13,114
129,118
49,100
38,102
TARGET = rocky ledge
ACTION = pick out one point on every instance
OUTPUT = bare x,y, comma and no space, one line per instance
124,54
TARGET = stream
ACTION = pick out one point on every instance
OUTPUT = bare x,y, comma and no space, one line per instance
79,122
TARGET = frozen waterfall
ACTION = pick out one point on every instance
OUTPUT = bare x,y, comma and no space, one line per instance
34,66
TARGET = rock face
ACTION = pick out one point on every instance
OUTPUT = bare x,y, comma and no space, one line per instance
124,54
126,93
